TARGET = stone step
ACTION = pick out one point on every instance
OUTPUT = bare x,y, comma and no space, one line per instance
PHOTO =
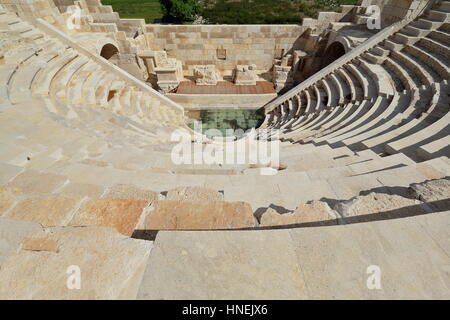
41,85
405,39
416,32
390,119
408,78
436,46
444,6
120,259
434,149
60,83
436,62
427,24
342,126
439,15
359,124
426,75
435,131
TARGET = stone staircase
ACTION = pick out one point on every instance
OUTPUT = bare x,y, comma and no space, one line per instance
391,99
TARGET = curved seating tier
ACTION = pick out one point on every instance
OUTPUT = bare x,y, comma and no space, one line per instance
391,99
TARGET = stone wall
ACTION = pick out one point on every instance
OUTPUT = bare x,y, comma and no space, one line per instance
221,101
224,45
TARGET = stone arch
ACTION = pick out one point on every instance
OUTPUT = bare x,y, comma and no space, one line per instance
108,50
333,52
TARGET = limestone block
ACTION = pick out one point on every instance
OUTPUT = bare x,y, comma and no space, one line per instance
436,193
194,194
110,266
411,253
245,75
35,182
206,75
281,76
315,211
8,171
7,198
48,211
121,214
379,205
223,265
39,244
12,233
123,191
197,215
82,190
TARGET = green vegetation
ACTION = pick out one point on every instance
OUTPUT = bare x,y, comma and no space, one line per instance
180,11
226,119
225,11
150,10
267,11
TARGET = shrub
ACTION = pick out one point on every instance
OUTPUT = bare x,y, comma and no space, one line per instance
181,10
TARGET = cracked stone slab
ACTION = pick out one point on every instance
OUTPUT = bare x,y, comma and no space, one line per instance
379,206
316,211
46,210
8,197
12,233
194,194
33,182
223,265
196,215
82,190
121,214
412,255
436,193
39,244
111,266
8,171
123,191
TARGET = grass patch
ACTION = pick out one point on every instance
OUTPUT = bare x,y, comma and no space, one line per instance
232,11
150,10
267,11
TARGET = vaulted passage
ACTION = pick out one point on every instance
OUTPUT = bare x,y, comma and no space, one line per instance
333,52
108,51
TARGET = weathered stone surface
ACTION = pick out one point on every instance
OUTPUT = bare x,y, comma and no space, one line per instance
111,266
206,75
82,190
411,253
223,265
33,182
379,206
194,194
39,244
123,191
245,75
48,211
436,193
12,232
121,214
196,215
8,171
93,162
7,198
326,262
306,213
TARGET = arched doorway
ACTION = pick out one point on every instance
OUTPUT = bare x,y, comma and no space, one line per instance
108,51
333,52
